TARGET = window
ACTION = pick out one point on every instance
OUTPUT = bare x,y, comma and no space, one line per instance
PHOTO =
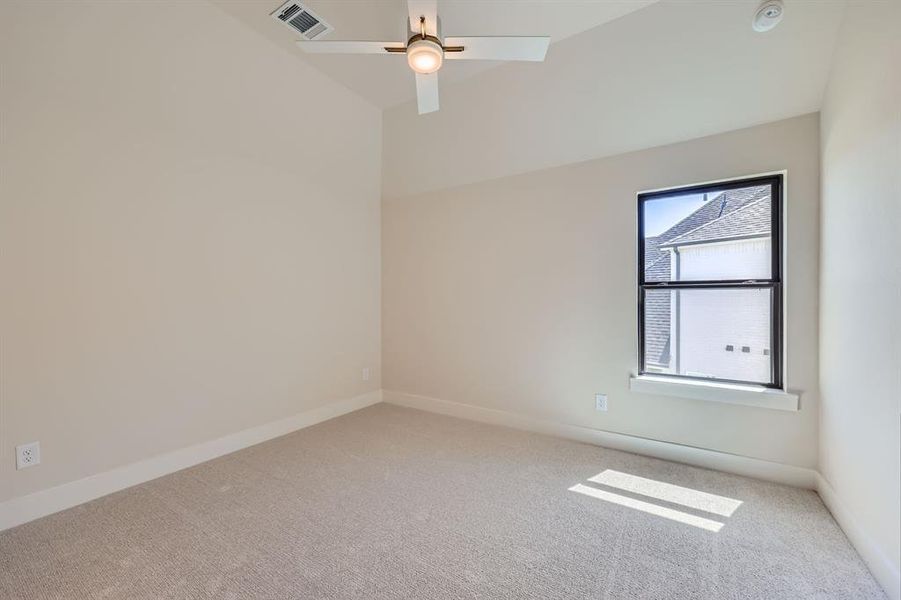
710,282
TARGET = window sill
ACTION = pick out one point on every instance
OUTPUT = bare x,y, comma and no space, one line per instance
748,395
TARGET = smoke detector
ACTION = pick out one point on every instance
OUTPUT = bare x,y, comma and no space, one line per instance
768,15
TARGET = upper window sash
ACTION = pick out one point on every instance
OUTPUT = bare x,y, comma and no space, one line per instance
772,273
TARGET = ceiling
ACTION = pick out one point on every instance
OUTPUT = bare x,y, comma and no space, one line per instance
673,71
386,81
619,76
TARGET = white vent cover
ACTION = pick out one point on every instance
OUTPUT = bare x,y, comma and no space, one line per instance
302,20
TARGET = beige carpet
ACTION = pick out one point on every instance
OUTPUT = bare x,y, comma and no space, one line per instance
389,502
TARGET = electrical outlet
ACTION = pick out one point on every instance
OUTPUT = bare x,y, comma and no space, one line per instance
600,402
28,455
366,374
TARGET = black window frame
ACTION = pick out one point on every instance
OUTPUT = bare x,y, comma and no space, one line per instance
774,283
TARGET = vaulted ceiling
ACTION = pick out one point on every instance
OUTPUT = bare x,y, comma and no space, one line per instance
619,76
386,80
672,71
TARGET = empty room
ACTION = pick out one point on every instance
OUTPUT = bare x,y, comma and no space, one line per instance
446,299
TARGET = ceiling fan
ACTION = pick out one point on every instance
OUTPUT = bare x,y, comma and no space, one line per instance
426,50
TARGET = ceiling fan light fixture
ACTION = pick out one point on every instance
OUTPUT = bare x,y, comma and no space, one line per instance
425,56
426,47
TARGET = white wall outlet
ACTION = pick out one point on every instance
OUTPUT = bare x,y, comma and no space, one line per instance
600,402
28,455
366,374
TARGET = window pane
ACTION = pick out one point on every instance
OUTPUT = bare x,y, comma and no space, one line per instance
719,235
710,333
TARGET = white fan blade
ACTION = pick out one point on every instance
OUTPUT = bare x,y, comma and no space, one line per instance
427,92
348,47
427,9
498,48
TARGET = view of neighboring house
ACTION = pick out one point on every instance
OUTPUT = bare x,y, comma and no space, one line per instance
712,332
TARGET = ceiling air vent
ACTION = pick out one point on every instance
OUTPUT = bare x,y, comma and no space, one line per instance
302,20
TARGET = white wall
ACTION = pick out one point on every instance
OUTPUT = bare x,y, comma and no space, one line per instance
710,320
519,293
750,259
190,234
860,291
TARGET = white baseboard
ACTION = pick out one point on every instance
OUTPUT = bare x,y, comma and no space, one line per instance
45,502
882,568
710,459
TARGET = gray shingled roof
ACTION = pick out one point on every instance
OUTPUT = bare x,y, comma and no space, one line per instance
751,220
657,326
736,213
